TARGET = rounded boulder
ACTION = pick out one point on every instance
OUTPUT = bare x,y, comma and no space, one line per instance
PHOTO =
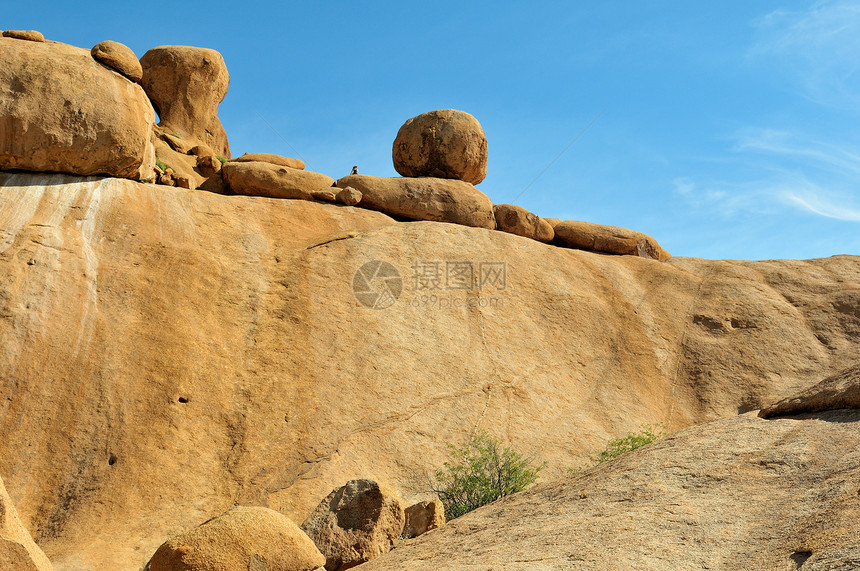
444,144
119,57
242,538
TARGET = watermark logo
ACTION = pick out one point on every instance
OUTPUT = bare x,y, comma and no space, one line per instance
435,284
377,284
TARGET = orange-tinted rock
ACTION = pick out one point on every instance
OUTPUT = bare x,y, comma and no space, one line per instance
608,239
436,199
119,57
244,538
443,144
61,111
517,220
186,84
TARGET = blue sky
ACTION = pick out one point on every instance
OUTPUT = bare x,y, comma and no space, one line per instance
723,129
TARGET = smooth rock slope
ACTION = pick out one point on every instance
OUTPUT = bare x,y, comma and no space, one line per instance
168,354
738,493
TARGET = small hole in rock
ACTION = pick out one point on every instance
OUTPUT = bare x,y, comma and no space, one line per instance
800,557
183,400
111,460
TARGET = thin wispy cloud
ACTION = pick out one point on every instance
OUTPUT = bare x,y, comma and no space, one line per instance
818,47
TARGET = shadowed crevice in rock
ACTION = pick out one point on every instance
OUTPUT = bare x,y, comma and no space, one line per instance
840,391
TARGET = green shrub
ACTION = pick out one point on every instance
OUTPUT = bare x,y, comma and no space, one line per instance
221,158
481,472
160,164
631,442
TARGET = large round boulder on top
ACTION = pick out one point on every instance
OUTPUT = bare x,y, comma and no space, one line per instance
444,144
119,57
60,111
354,524
186,84
242,538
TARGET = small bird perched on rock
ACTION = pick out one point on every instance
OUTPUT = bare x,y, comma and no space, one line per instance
354,170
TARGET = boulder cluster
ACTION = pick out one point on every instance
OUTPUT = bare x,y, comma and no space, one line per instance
355,523
63,109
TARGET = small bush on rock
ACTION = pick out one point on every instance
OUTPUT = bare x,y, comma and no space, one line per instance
481,472
631,442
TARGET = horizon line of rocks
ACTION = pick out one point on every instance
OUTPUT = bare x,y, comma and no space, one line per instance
48,125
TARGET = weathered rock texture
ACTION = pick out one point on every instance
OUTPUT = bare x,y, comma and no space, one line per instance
273,181
423,517
355,523
273,159
186,84
168,354
436,199
444,144
119,57
61,111
608,239
243,538
30,35
517,220
17,550
739,493
841,391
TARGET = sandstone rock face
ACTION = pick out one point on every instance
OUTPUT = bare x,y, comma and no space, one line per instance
119,57
170,353
355,523
423,517
17,550
273,181
186,84
30,35
444,144
436,199
60,111
841,391
517,220
739,493
243,538
608,239
272,159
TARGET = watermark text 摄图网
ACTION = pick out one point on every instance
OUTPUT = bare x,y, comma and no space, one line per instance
435,284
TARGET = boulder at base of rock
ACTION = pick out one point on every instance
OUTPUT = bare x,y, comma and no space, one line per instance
273,159
355,523
608,239
186,84
840,391
436,199
517,220
446,143
29,35
17,549
243,538
119,57
266,179
61,111
423,517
